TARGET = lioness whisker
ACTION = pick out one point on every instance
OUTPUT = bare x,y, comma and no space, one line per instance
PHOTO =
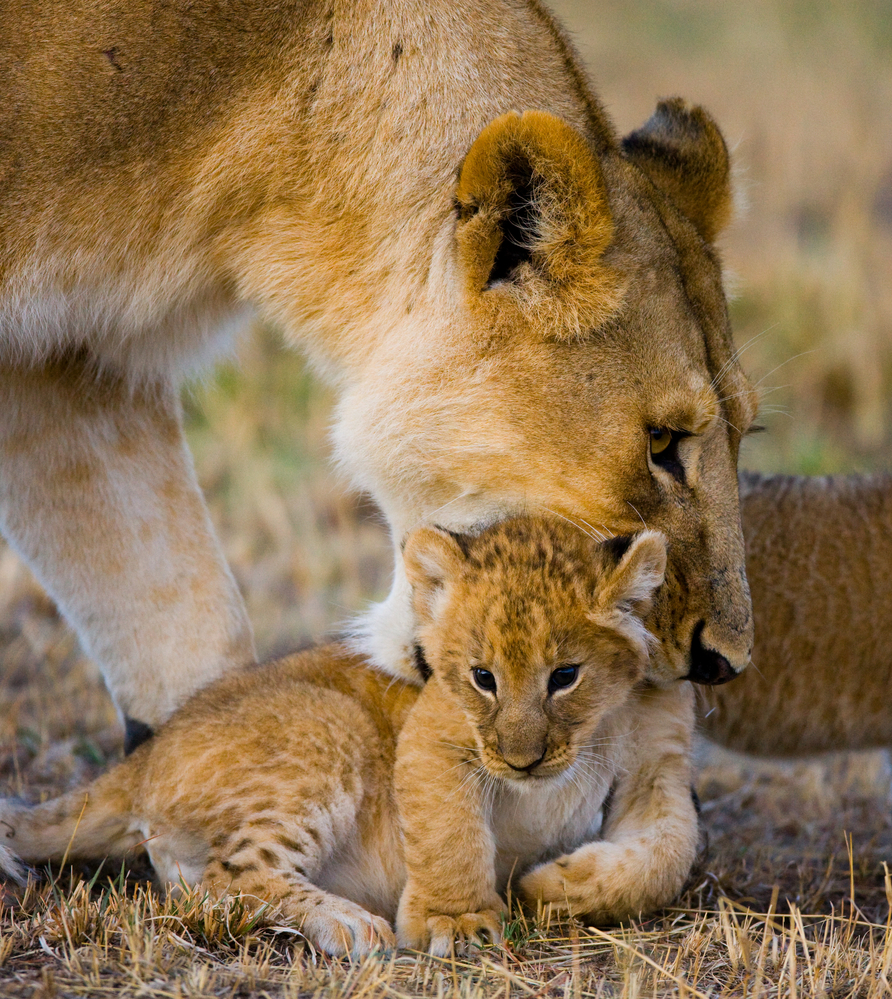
776,411
763,393
738,353
595,536
728,423
795,357
632,505
606,532
432,513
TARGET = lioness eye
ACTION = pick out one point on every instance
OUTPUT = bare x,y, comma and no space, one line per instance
664,449
484,679
564,676
660,439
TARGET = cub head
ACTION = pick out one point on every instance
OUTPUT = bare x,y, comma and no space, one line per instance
535,629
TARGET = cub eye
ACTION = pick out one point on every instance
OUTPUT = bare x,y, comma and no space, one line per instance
484,679
564,676
664,449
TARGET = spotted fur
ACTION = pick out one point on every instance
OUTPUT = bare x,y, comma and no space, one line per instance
515,781
280,782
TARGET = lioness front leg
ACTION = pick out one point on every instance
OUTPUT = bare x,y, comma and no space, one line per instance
98,494
450,899
650,834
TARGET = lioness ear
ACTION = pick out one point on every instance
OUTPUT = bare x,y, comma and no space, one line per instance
630,585
682,151
432,556
533,213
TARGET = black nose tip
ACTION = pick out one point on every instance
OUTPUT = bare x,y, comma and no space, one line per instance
707,665
525,767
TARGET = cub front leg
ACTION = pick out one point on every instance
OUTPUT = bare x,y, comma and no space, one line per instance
450,899
650,834
98,495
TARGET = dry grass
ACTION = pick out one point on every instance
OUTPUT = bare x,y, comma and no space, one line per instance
780,915
127,943
791,896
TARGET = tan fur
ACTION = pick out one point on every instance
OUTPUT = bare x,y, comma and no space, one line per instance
278,781
820,567
490,782
348,172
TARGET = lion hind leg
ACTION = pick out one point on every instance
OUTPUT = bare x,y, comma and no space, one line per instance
270,868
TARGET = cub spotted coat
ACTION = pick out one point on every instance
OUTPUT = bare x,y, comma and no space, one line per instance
518,309
278,781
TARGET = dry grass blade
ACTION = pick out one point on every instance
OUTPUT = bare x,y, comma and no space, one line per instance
618,942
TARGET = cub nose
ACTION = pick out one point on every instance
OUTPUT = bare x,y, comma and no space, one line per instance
522,765
707,665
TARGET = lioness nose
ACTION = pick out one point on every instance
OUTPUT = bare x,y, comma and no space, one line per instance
707,665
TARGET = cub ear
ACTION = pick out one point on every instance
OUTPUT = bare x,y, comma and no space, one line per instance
629,584
431,556
533,215
682,151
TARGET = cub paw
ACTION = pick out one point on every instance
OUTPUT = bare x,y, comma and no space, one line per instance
601,881
341,927
441,935
546,884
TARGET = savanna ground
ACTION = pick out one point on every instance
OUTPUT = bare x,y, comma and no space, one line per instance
791,896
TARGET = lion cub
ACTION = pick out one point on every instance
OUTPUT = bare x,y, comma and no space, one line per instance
278,781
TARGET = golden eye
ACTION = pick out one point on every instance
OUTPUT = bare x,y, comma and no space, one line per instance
660,439
664,450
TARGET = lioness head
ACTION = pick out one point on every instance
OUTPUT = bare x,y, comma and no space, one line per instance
536,630
572,353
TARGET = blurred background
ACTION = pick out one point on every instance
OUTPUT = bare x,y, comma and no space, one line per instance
803,92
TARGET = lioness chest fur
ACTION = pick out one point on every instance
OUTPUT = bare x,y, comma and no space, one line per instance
338,795
518,309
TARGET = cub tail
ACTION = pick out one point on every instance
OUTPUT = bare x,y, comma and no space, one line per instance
94,822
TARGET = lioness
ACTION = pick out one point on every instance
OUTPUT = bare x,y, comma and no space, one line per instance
518,309
280,781
820,568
